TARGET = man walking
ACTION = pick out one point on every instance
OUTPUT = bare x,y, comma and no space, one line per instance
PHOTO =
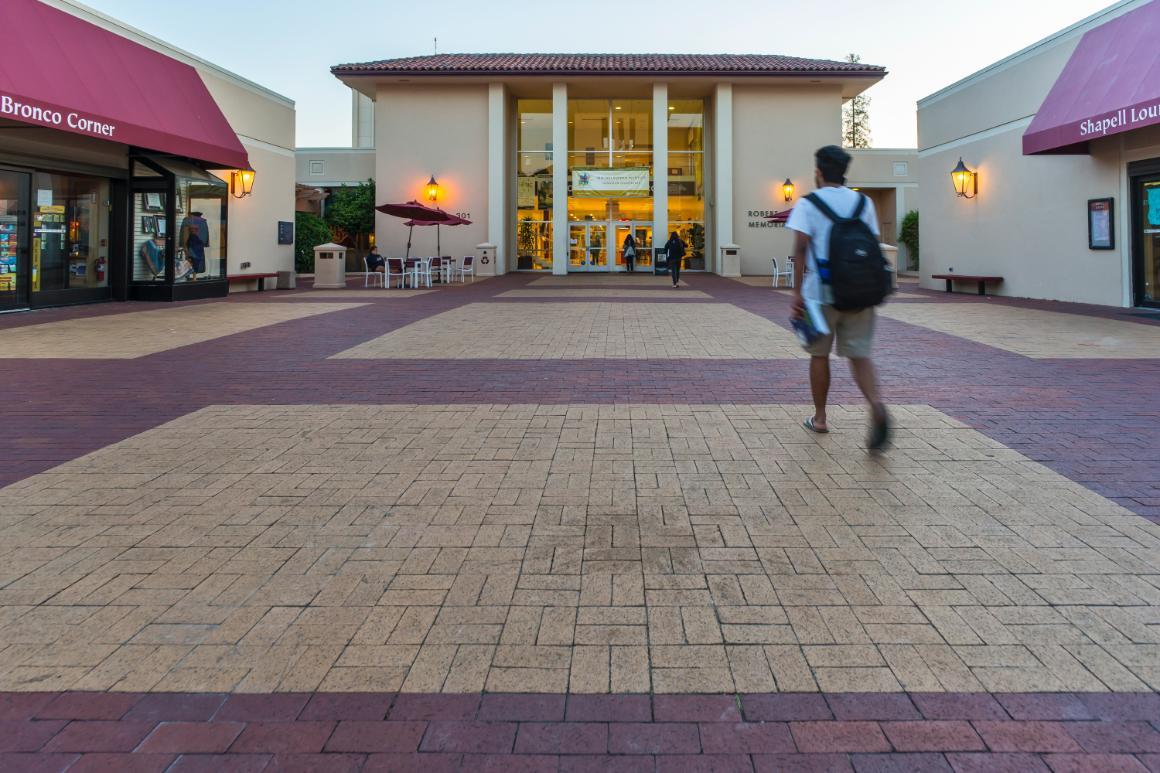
675,254
813,219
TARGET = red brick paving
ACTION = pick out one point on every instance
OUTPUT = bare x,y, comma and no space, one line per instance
1094,421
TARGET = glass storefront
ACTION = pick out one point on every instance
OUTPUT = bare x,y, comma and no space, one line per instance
686,168
55,243
1146,239
611,171
534,186
178,230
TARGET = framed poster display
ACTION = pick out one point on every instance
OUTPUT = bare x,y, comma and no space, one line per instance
1101,224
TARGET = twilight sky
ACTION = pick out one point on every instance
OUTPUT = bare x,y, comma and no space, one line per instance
289,45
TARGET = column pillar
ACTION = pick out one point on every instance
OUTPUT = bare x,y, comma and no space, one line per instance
497,173
559,178
660,138
723,170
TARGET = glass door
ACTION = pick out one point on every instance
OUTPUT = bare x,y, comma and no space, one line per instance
642,234
588,247
14,187
1146,241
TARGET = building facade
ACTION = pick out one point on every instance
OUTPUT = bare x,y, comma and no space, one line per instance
1064,140
556,158
135,171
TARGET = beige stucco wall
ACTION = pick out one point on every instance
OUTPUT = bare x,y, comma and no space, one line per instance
340,166
437,130
1029,221
775,133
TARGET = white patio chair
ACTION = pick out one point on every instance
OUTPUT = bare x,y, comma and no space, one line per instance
467,267
423,272
370,277
395,269
787,273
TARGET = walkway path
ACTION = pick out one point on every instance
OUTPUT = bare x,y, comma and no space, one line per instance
562,525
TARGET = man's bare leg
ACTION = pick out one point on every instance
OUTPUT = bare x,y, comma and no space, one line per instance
820,388
862,369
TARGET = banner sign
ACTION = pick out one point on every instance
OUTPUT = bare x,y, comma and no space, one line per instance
627,183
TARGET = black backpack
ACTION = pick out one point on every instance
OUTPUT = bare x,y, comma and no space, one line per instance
855,269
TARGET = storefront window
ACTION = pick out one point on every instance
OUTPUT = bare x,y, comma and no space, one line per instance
70,232
201,206
534,186
686,167
150,231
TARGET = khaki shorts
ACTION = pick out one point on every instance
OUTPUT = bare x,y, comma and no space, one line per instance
853,329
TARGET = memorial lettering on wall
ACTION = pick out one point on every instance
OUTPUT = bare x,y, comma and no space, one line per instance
759,218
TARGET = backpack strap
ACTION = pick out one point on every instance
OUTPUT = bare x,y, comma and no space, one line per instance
824,208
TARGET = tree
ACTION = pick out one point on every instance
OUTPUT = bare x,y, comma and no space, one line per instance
856,117
908,235
350,212
309,232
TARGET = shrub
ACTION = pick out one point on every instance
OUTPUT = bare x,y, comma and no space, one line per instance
908,235
309,232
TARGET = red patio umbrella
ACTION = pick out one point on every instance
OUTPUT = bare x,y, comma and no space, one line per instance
450,219
416,214
780,217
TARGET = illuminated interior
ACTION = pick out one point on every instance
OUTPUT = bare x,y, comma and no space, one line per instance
609,134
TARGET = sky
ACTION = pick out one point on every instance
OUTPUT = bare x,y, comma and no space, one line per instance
289,45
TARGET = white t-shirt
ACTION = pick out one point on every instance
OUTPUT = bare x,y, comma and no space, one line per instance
809,220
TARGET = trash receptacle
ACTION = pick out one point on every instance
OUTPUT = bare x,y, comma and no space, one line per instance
730,260
660,261
329,267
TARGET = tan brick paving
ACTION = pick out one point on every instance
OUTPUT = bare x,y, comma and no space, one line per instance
361,293
141,333
1033,332
660,281
663,291
573,331
581,548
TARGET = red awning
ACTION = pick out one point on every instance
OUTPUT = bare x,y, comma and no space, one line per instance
64,73
1110,85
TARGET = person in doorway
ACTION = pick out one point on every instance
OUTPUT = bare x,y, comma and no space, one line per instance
854,329
195,238
153,253
675,252
375,261
629,249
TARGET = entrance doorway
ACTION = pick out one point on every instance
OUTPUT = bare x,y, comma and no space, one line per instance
589,247
1146,236
14,205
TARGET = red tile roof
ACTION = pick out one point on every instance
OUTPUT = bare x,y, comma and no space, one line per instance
607,64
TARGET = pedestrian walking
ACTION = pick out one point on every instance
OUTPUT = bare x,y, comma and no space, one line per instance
847,277
629,250
675,250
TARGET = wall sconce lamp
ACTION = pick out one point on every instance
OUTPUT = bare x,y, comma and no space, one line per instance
965,181
432,189
787,189
242,183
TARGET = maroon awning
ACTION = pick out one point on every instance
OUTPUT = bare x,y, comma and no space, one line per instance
64,73
1110,85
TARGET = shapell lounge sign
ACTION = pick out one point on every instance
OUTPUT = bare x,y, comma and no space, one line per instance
1122,120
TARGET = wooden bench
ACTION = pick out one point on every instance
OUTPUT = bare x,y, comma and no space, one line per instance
982,280
231,278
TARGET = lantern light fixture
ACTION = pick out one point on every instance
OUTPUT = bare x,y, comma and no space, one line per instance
965,181
432,189
242,183
787,189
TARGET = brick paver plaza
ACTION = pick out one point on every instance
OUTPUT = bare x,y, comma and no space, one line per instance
575,524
